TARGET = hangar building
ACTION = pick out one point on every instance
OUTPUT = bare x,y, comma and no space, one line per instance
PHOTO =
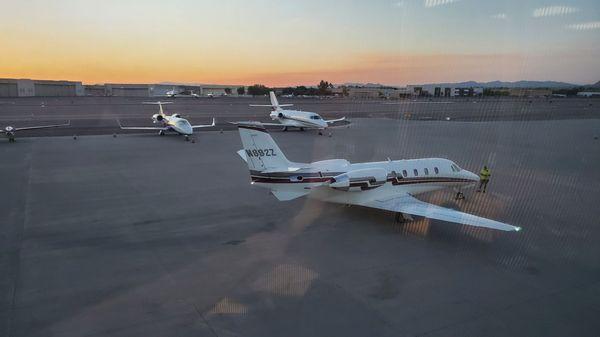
39,88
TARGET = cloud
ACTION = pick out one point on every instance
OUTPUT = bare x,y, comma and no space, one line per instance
553,11
499,16
584,25
435,3
400,3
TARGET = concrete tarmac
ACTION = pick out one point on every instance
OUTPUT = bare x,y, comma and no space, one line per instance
142,235
100,115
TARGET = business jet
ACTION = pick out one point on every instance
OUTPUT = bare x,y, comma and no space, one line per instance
388,185
172,93
173,123
295,118
10,131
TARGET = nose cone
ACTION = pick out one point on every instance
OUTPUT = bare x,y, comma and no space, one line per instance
471,176
323,124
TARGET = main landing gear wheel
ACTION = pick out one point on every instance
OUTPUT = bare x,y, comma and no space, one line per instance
402,217
301,129
161,133
285,128
320,133
459,196
187,138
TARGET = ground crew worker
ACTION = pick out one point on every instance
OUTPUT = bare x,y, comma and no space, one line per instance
484,178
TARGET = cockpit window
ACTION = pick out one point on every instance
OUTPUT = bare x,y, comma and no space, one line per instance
315,117
455,168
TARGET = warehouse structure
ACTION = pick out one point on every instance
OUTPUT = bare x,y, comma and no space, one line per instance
39,88
444,91
372,92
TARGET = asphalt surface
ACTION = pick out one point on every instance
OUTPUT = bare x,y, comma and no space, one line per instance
101,115
141,235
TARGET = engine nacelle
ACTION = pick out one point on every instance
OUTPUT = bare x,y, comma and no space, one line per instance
157,117
281,115
360,179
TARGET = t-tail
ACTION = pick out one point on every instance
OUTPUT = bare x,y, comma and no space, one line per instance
274,102
267,164
260,150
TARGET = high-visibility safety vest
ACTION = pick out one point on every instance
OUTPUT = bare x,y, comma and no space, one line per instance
485,174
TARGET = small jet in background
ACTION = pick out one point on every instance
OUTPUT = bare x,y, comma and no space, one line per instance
10,131
172,93
193,94
174,123
295,118
388,185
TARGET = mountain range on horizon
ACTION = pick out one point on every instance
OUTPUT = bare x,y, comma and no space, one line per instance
492,84
466,84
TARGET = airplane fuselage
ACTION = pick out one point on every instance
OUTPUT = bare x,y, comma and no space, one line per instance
377,180
298,119
178,124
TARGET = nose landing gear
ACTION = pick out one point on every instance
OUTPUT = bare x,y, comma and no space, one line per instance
161,133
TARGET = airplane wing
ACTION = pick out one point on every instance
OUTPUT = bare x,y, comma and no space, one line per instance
143,128
42,126
163,128
330,121
204,126
410,205
270,106
255,123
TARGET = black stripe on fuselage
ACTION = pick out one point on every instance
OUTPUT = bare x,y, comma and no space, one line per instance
268,179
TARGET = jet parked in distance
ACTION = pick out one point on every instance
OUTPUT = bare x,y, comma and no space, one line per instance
173,123
295,118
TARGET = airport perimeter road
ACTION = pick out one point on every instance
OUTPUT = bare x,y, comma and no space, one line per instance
141,235
100,115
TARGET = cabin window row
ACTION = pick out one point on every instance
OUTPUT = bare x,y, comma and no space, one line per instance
416,172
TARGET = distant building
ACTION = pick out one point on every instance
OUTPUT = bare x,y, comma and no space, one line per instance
94,89
588,94
219,90
127,90
40,88
444,91
529,92
371,92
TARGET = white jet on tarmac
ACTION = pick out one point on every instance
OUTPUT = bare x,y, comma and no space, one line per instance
10,131
172,123
295,118
388,185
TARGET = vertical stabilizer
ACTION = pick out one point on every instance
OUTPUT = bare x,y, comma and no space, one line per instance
262,153
274,102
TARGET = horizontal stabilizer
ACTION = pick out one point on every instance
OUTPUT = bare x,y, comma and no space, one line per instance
288,195
242,153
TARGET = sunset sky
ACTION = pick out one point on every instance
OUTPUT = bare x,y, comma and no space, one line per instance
300,42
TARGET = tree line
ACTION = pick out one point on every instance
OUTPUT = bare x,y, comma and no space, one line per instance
322,89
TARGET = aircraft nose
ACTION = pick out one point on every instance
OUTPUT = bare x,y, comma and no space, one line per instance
472,176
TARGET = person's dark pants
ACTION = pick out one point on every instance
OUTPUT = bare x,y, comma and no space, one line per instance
483,184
